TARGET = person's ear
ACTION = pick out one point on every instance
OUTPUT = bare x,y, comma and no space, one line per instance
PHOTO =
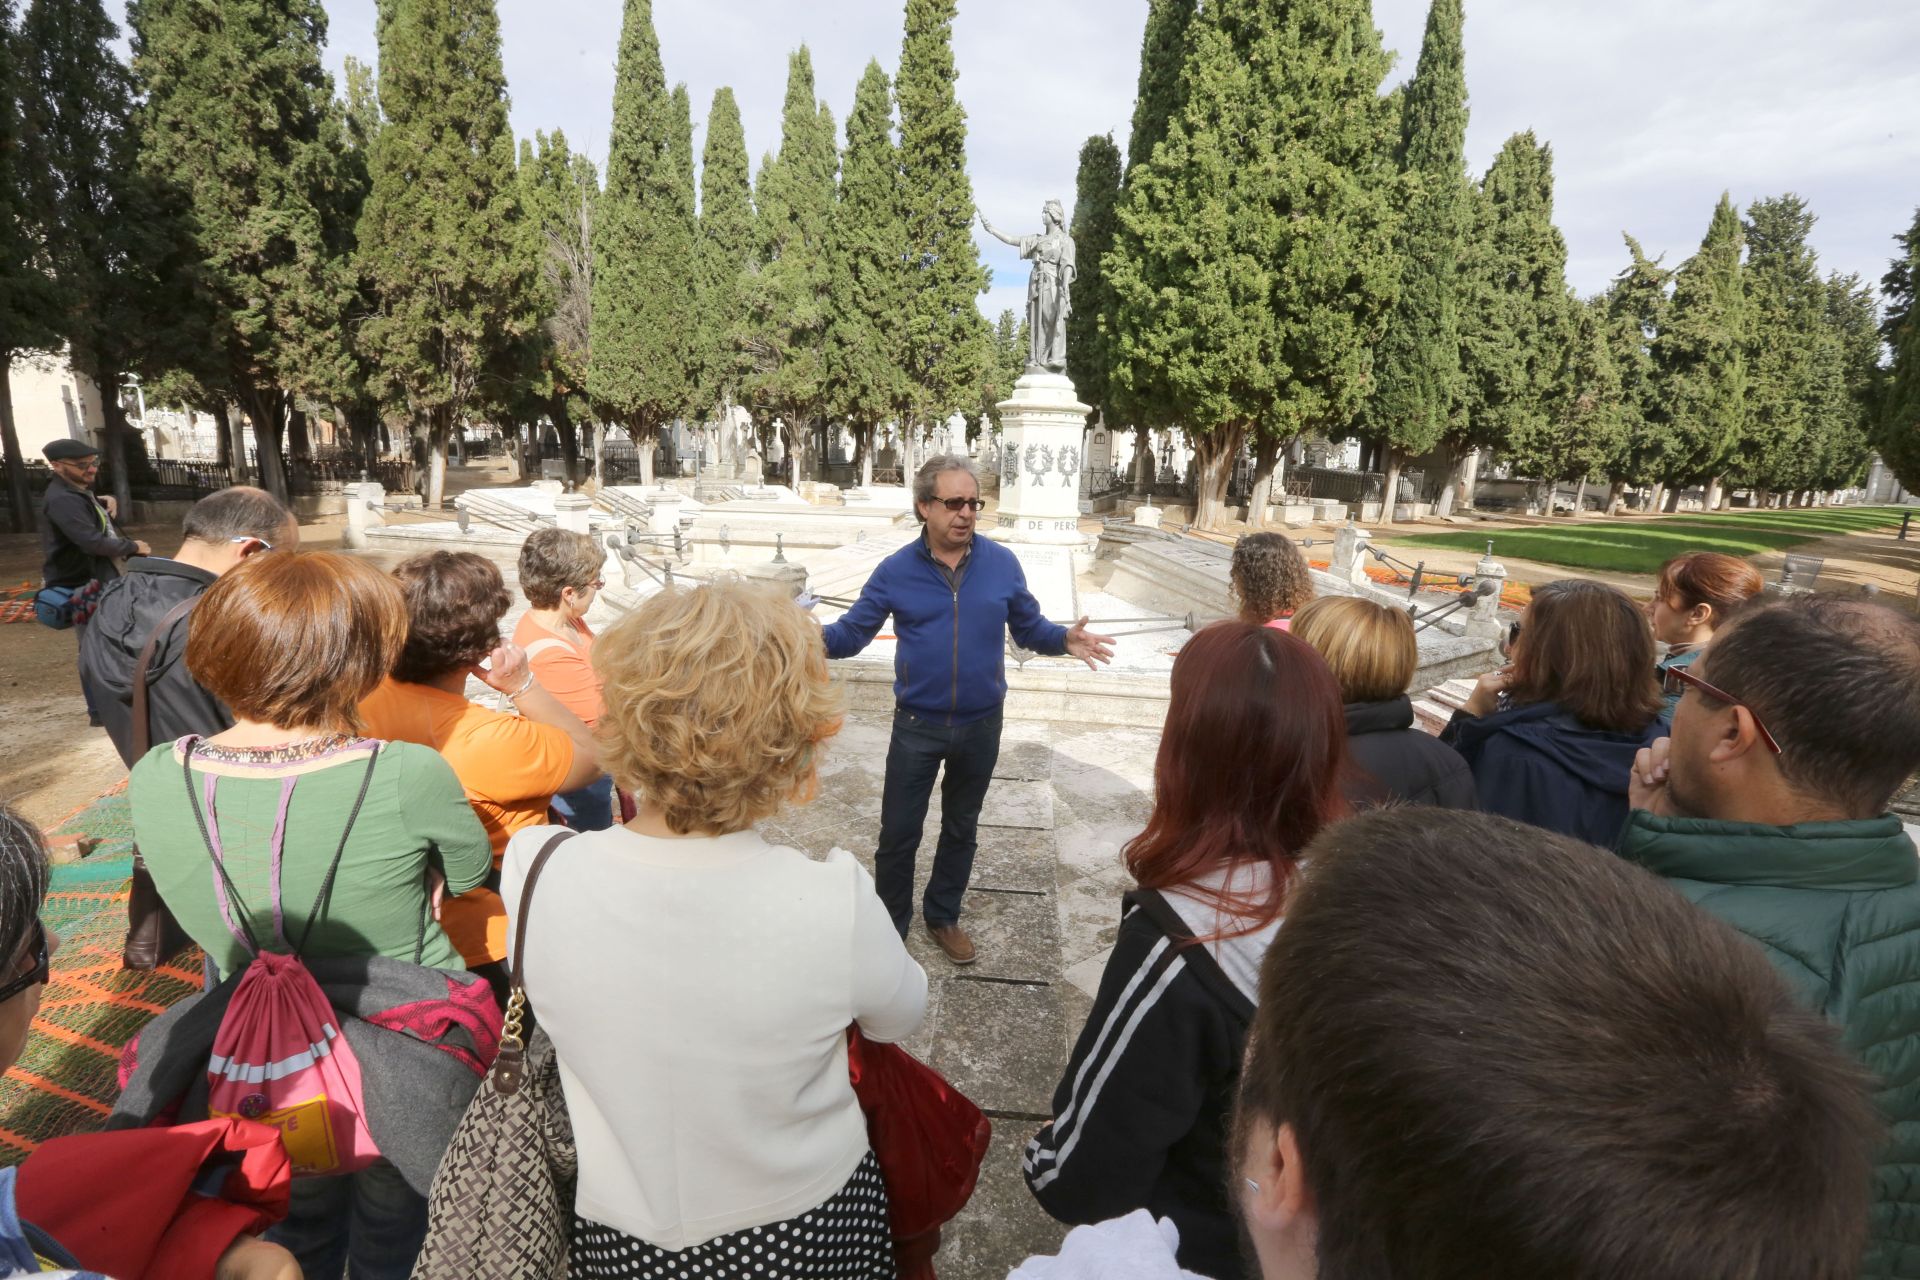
1278,1201
1735,737
1700,615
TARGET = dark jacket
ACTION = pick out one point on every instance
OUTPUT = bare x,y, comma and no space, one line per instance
129,609
950,663
79,539
1836,907
423,1037
1140,1115
1539,764
1403,764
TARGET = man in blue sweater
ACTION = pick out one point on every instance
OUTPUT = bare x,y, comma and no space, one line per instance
953,598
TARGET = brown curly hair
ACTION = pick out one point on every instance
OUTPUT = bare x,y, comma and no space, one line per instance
455,600
1270,578
717,701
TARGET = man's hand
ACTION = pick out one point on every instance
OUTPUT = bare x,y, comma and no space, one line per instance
112,504
250,1258
1088,647
1487,690
1647,785
506,671
142,548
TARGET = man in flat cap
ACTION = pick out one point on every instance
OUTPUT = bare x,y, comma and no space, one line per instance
79,539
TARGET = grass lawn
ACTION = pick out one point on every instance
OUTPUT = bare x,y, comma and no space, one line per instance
1641,545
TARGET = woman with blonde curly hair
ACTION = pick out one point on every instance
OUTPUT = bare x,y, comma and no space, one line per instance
1269,579
697,981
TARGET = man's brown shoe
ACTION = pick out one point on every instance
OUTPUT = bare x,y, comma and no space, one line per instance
953,942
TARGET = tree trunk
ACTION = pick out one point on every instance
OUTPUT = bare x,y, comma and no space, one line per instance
1395,460
299,439
1456,479
643,438
569,440
1615,493
863,454
19,496
1142,451
439,426
1214,453
265,406
1673,499
1713,495
1471,480
119,457
1266,452
1579,497
1656,496
597,431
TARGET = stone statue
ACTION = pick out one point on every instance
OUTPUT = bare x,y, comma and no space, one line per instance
1052,254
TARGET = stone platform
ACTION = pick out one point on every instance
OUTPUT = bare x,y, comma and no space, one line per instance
1043,908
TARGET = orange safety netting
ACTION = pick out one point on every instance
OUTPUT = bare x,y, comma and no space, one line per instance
1515,595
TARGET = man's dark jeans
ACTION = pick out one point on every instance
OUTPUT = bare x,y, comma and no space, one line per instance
920,746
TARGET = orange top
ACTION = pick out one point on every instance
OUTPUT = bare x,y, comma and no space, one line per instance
509,768
563,669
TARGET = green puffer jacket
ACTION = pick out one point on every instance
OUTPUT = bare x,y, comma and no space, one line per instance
1836,905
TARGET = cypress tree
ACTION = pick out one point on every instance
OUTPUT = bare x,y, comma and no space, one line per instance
360,123
1254,264
559,191
1513,328
29,311
948,346
1417,364
1636,306
789,300
1701,355
1840,417
1792,354
1897,425
726,253
1584,429
1096,196
238,117
866,253
101,242
643,296
1009,362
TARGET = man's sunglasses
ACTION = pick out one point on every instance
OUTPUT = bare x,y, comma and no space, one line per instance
37,976
264,544
960,504
1678,680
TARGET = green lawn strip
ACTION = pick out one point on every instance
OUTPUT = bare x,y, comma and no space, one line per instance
1819,521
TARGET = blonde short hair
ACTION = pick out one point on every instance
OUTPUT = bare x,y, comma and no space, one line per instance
717,702
1369,647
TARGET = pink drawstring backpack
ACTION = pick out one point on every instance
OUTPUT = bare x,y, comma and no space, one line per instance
280,1058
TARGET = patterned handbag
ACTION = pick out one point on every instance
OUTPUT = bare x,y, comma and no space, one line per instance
502,1203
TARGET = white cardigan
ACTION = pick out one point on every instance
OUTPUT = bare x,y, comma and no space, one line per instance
698,993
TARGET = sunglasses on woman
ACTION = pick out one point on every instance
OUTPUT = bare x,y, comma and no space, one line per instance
1678,680
37,976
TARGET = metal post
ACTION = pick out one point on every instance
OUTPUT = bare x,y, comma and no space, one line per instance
1418,570
1905,521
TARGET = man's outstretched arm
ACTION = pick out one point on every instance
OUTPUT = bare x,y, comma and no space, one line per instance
859,625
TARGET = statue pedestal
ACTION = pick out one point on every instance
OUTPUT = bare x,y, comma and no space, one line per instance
1043,425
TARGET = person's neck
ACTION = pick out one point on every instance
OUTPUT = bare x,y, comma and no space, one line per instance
202,556
1777,805
649,820
1691,641
258,733
556,620
949,556
450,682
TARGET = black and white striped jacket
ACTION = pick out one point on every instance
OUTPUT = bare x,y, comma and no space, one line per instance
1140,1117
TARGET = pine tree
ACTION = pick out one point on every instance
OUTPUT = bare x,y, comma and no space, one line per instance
643,292
1254,265
29,311
789,301
948,345
1701,355
866,255
102,242
1514,321
1897,428
238,116
1417,364
1636,305
441,239
725,254
1096,196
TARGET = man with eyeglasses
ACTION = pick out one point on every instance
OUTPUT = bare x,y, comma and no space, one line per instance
953,598
153,600
1768,807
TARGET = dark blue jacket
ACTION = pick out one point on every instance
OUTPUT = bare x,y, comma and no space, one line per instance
950,662
1539,764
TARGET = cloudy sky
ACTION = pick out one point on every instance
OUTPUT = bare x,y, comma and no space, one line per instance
1652,107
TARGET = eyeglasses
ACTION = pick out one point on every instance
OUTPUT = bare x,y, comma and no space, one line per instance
35,977
1510,639
264,544
1678,680
960,504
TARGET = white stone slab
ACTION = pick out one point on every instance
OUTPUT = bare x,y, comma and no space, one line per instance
1027,805
1050,577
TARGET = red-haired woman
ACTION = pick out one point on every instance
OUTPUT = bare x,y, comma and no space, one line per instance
1249,770
1695,596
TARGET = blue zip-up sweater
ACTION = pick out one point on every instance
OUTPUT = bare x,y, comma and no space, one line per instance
951,660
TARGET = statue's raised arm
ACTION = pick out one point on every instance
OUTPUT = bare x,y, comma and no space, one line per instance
1051,253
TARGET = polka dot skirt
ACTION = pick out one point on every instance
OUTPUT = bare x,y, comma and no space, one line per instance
844,1239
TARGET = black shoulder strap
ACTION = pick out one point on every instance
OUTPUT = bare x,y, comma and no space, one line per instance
1198,958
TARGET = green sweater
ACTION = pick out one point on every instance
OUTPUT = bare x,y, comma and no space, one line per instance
1836,906
415,815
